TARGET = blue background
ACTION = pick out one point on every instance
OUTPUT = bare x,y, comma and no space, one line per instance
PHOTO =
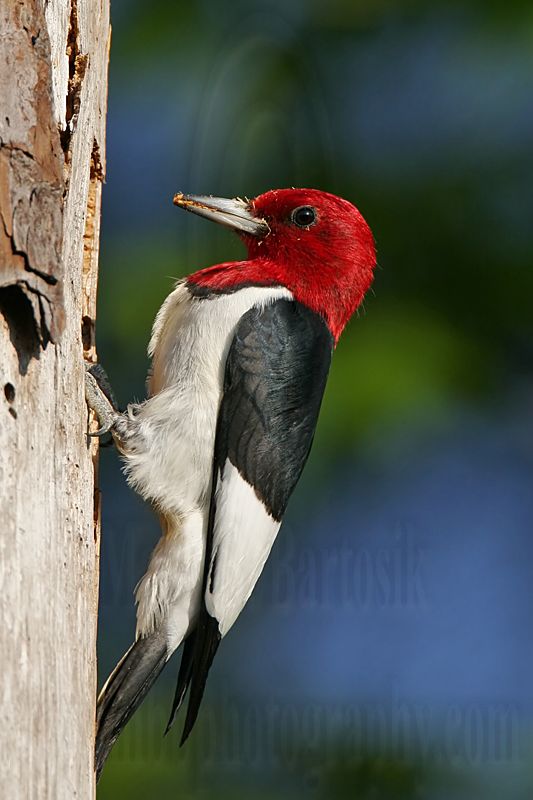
387,650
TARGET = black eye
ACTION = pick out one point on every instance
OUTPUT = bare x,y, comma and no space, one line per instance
304,216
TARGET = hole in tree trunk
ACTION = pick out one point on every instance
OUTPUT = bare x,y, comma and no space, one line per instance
9,391
18,313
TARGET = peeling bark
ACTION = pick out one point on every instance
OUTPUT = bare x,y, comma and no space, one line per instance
31,167
53,85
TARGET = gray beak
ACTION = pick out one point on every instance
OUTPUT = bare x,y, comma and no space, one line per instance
234,213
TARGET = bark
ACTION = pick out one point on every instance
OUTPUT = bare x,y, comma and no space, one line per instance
53,82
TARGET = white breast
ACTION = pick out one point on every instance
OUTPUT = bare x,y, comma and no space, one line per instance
170,449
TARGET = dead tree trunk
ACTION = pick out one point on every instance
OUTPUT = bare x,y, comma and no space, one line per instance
53,82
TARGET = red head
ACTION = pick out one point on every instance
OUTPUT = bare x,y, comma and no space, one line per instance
315,244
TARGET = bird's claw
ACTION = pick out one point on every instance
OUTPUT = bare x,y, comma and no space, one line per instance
99,402
100,432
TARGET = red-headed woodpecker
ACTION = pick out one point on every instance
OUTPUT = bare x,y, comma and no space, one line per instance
240,357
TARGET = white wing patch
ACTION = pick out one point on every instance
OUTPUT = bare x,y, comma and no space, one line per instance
243,535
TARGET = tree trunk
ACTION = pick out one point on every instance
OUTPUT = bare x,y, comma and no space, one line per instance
53,82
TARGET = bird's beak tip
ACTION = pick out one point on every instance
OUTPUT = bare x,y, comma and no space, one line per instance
184,201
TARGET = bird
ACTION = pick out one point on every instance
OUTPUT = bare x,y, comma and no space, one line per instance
240,358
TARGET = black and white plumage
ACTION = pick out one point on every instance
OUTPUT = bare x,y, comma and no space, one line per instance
274,380
239,369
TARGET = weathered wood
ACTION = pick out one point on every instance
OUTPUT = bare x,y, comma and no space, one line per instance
53,85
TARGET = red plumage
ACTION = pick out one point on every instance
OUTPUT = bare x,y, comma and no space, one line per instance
328,266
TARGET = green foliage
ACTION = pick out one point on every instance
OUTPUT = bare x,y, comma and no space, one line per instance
396,364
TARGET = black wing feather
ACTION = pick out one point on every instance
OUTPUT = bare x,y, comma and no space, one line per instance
276,372
184,678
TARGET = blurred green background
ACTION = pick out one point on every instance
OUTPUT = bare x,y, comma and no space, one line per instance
387,650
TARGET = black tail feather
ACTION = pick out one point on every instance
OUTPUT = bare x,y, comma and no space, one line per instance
184,678
125,690
206,641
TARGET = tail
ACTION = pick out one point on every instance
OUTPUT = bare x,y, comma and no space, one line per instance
125,690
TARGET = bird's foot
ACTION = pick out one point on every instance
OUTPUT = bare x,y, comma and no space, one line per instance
101,399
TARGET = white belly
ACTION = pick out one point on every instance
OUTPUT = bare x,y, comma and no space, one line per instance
169,446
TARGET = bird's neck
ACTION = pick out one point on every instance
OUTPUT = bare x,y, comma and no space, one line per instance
327,291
